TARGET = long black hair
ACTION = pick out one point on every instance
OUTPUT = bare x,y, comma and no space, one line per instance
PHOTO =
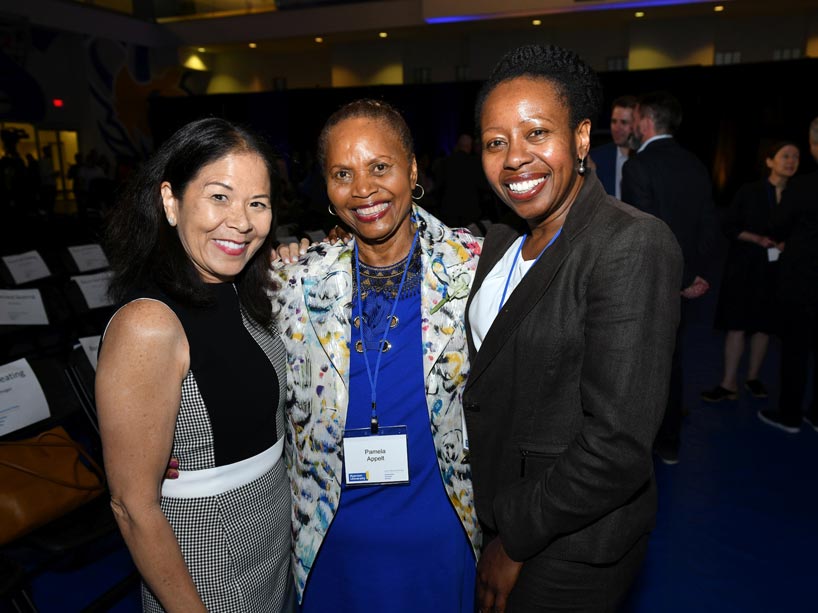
145,250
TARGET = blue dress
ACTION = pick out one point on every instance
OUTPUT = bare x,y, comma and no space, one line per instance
397,547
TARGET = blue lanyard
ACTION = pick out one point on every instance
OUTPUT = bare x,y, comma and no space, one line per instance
514,263
373,379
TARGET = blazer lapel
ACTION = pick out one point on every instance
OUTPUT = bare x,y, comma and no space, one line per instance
525,296
442,271
446,279
328,299
537,281
494,246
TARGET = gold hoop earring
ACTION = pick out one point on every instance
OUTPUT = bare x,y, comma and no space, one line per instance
422,192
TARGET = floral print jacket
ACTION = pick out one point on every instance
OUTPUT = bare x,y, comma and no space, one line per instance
313,306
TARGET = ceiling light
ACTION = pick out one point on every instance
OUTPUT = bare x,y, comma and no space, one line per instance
383,34
252,45
718,8
194,62
201,49
536,22
318,39
639,14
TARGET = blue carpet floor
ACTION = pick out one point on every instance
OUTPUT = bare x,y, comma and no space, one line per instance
737,523
738,516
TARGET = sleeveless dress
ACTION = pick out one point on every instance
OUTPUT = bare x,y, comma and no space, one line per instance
396,548
230,508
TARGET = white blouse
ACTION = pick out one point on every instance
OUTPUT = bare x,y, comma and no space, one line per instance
486,302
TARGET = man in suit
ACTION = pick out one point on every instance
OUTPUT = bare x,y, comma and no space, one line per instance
795,221
669,182
609,158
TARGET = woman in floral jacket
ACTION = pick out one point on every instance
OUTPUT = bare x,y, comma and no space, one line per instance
383,508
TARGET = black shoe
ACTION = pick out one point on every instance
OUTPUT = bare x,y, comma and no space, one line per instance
811,421
756,388
777,420
718,393
667,452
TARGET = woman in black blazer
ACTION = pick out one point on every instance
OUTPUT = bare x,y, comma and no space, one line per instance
572,318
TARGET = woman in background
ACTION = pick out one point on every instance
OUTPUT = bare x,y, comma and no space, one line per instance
747,299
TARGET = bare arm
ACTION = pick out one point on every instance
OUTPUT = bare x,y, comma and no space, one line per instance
142,363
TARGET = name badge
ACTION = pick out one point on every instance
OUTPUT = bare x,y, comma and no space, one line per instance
376,459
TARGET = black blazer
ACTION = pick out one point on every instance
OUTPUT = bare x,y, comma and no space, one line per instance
668,181
569,387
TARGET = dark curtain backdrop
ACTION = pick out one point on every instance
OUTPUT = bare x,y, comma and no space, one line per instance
730,112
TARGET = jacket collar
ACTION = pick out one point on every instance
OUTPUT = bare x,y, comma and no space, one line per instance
328,293
539,278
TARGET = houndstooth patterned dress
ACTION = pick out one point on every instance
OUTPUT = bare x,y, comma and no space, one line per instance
235,544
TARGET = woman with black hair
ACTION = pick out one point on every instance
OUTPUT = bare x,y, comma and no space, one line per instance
383,515
747,299
192,366
571,319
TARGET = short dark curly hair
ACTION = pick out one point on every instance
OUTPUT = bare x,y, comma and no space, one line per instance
575,81
377,110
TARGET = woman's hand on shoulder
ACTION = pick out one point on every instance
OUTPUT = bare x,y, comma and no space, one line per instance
290,252
337,233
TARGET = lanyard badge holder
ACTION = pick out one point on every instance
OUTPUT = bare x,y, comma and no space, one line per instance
377,455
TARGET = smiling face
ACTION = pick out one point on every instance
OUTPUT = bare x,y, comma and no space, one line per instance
621,125
370,178
224,214
530,151
784,163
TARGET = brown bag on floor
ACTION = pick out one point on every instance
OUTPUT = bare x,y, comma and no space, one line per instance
43,478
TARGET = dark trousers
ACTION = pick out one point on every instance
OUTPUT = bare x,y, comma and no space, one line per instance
670,430
549,584
799,337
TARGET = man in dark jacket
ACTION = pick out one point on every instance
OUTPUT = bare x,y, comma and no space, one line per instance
669,182
608,159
